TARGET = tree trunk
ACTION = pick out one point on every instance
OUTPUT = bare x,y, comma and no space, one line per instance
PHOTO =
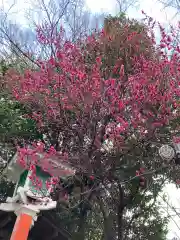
121,206
108,231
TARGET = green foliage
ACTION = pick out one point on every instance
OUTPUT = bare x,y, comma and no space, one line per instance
6,189
13,124
4,67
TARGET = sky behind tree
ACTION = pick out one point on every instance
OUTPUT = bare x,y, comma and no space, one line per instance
153,8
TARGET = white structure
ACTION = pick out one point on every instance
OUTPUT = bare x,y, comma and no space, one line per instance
21,176
166,152
27,198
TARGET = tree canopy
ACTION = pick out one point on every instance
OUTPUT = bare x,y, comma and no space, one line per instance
104,104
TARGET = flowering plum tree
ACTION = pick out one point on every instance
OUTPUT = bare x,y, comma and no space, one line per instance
106,115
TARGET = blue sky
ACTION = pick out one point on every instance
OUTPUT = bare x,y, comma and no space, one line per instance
154,9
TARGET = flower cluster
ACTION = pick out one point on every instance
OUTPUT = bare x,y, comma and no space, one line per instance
71,90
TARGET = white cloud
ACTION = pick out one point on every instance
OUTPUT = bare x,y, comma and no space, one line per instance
156,10
102,5
16,10
153,8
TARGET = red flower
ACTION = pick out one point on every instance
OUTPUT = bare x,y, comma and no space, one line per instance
162,45
92,177
142,170
98,60
178,181
142,178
